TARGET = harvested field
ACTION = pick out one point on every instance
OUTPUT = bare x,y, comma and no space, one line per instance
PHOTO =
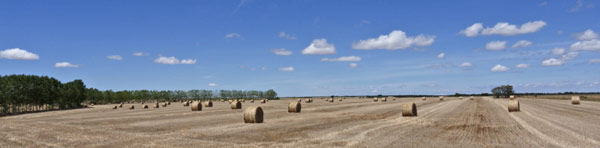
482,122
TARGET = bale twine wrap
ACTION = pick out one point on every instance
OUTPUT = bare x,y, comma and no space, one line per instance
441,98
115,107
164,105
294,107
156,105
409,109
423,98
208,104
253,115
375,99
236,105
145,106
131,107
575,100
263,101
186,103
196,106
514,106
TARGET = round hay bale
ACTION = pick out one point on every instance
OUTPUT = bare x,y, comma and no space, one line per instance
168,102
575,100
208,104
156,105
331,100
340,99
423,98
164,105
145,106
115,107
471,98
300,100
307,100
230,101
441,98
375,99
294,107
253,115
263,101
394,99
409,109
121,105
514,106
252,101
460,98
196,106
236,105
511,97
384,100
131,107
186,103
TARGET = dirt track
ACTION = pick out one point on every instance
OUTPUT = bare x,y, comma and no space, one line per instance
483,122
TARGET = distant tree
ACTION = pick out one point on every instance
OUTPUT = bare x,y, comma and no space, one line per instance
270,94
503,91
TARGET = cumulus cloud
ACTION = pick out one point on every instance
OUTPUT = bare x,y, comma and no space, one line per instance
281,51
441,55
558,51
472,30
495,45
499,68
286,36
319,46
591,45
522,65
342,59
212,85
594,61
18,54
466,64
506,29
397,39
287,69
166,60
553,62
65,65
521,44
570,55
587,35
233,35
188,61
352,65
115,57
139,54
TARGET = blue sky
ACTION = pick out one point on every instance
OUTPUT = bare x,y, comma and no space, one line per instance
304,48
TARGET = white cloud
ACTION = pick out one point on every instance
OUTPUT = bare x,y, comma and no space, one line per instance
552,62
319,46
506,29
286,36
472,30
521,44
287,69
397,39
558,51
188,61
166,60
139,54
281,51
65,65
342,59
466,64
441,55
522,65
577,6
352,65
594,61
18,54
212,85
115,57
233,35
592,45
263,68
544,3
587,35
499,68
570,55
495,45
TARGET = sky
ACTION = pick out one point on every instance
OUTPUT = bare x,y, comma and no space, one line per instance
306,47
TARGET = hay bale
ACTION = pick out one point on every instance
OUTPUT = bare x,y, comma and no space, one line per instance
307,100
441,98
331,100
186,103
263,101
472,98
252,101
460,98
236,105
375,99
131,107
253,115
145,106
208,104
514,106
384,100
230,101
575,100
156,105
294,107
512,97
423,98
168,102
393,99
164,105
115,107
121,105
196,106
409,109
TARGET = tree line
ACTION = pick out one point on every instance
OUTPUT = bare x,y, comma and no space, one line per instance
25,93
